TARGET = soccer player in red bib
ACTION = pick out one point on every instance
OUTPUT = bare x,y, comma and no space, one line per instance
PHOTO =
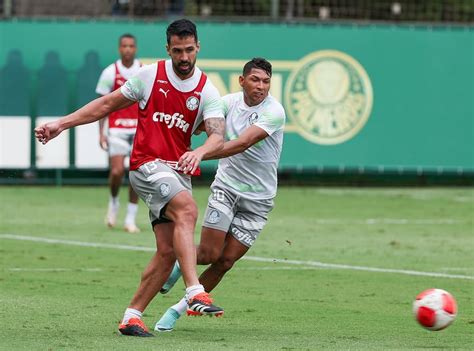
122,125
174,98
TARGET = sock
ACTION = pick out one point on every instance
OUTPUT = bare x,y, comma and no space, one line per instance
131,213
193,291
114,203
181,306
131,313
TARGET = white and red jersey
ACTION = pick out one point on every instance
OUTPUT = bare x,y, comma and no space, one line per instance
112,78
170,110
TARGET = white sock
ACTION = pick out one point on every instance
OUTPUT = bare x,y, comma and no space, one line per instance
181,306
131,313
131,213
114,203
193,291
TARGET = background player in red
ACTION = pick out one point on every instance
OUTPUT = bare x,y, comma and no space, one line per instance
174,98
122,125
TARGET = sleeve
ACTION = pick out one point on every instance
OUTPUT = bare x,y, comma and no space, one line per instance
226,102
106,81
272,119
138,88
212,105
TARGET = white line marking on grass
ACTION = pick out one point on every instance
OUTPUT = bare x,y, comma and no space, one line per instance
401,221
456,268
358,268
464,199
17,269
75,243
422,194
279,268
248,258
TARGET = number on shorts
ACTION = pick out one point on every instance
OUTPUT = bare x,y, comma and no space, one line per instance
151,166
219,195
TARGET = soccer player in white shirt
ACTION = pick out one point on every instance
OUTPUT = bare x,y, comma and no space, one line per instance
245,184
122,125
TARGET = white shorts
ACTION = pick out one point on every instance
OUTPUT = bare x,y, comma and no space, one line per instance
157,183
242,218
120,141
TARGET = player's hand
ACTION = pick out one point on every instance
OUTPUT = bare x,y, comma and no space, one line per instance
189,161
47,131
103,142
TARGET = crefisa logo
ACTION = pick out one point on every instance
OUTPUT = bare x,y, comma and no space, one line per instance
328,97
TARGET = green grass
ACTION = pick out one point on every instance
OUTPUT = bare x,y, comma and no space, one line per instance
269,306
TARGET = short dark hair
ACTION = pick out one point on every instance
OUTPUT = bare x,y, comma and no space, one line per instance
127,35
182,28
258,63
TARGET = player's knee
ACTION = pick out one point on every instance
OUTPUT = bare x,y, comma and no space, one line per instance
189,212
208,255
182,210
117,172
166,255
225,263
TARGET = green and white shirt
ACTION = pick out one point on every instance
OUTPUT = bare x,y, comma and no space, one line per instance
252,174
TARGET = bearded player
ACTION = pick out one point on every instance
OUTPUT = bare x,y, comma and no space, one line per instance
174,97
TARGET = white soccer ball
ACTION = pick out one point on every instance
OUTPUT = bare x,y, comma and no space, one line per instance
435,309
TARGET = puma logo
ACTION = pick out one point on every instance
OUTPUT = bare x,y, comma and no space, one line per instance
164,92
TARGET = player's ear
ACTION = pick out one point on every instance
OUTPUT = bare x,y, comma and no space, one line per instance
241,81
168,49
198,46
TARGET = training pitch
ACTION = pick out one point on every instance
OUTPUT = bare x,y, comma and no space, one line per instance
335,268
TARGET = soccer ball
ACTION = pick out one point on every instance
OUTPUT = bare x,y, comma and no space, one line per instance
435,309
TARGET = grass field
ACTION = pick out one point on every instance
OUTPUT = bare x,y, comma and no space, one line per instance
56,295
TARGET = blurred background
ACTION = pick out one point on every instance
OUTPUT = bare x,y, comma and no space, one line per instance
376,92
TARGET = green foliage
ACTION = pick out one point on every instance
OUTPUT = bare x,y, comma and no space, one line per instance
362,10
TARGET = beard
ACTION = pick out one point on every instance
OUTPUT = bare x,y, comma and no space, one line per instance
184,71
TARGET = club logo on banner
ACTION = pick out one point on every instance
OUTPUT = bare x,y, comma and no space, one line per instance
327,94
328,97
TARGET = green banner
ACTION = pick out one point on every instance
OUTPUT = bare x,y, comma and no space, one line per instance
369,97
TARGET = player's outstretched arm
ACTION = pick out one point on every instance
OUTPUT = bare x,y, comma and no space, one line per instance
91,112
103,140
215,129
249,137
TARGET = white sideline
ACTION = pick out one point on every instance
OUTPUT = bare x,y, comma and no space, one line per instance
402,221
359,268
249,258
19,269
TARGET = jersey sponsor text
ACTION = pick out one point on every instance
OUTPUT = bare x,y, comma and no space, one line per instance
174,120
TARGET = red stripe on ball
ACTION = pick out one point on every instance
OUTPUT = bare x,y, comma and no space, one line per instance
449,304
426,316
